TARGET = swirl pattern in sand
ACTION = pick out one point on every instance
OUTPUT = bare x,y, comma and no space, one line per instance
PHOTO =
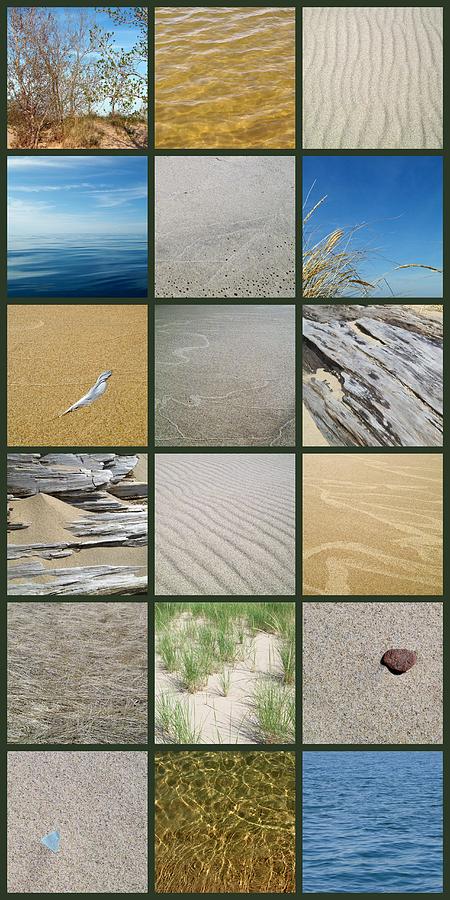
225,822
225,77
372,77
224,523
372,524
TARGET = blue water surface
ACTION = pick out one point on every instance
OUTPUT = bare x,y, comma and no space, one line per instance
93,266
372,822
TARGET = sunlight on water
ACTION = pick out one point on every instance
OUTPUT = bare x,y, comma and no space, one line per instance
225,77
225,822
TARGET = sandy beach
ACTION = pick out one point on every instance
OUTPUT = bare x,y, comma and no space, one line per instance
97,801
372,524
55,355
225,376
95,689
66,540
225,226
224,524
372,77
348,696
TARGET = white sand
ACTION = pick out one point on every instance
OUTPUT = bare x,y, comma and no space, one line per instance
348,696
372,77
224,523
225,226
98,802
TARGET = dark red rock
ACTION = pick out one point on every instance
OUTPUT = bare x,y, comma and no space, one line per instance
399,661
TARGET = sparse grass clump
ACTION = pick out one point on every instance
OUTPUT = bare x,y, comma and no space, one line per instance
173,718
275,712
81,133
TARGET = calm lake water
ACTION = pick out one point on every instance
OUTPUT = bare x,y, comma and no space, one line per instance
225,822
52,267
372,822
225,77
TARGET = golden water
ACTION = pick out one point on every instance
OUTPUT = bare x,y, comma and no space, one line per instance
225,822
225,77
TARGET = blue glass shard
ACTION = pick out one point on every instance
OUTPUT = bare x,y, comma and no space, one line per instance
52,841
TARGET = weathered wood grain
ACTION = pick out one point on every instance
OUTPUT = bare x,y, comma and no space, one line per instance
89,580
388,364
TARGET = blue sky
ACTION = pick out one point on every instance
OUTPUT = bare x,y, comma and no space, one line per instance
400,200
77,195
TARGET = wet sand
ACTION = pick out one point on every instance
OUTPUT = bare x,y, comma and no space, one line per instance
225,77
56,353
97,800
224,524
225,376
348,696
372,77
372,524
225,226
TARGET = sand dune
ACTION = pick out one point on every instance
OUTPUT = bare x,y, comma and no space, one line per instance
225,376
56,353
372,524
372,77
98,802
348,696
224,524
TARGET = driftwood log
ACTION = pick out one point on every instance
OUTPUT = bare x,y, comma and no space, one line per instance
85,482
100,580
386,367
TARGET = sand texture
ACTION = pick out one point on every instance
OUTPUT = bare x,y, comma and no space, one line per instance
77,673
225,375
56,353
372,77
98,802
348,696
372,375
225,226
372,524
68,532
225,524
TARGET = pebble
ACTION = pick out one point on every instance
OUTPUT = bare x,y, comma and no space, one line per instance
399,661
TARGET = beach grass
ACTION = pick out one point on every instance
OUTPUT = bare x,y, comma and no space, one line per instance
331,265
275,711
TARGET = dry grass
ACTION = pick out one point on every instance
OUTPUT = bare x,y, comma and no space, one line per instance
77,673
331,266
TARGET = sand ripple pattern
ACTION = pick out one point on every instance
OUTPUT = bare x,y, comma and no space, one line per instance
372,77
225,524
372,524
225,822
225,77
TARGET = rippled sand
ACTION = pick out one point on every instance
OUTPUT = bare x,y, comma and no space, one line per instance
225,375
224,523
56,353
372,77
225,822
225,77
372,523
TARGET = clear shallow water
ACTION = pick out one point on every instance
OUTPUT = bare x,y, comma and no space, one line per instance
54,267
224,77
225,822
372,822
